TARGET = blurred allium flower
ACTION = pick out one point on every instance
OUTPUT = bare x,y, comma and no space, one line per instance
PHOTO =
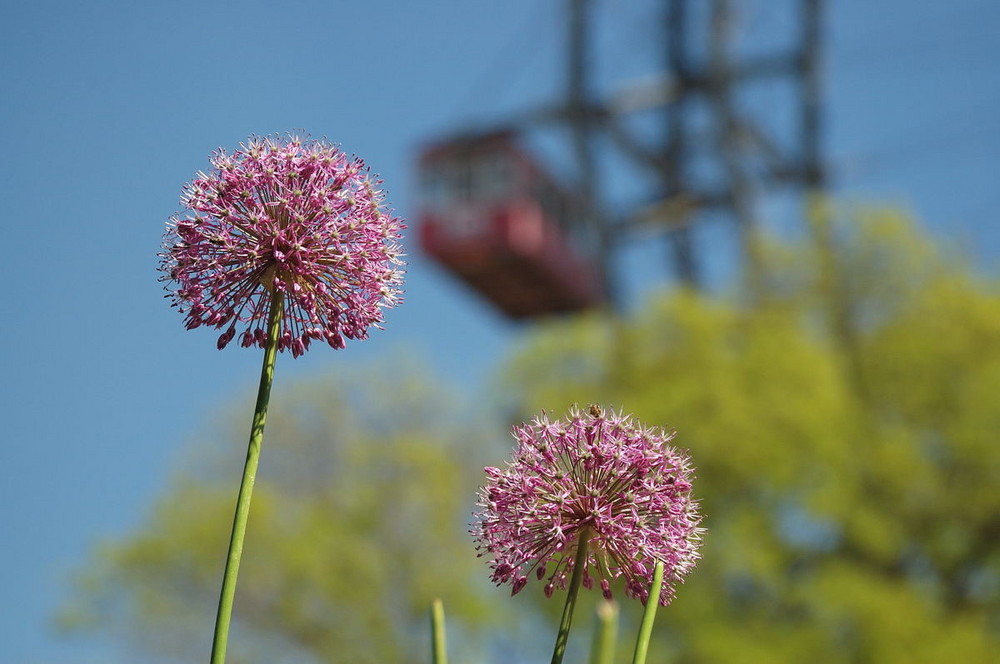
294,215
596,472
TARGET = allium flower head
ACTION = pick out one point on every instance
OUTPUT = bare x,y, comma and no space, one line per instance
598,472
289,215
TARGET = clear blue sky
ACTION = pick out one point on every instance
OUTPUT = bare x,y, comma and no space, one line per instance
108,107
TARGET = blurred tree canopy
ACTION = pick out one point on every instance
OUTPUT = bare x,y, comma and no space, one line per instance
359,520
843,416
844,420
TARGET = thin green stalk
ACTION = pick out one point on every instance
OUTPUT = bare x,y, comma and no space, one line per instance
224,615
602,650
438,643
579,562
646,627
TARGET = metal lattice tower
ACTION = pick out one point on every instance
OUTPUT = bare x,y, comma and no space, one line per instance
710,153
748,155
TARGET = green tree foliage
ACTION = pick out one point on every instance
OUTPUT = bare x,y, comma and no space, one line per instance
844,420
358,522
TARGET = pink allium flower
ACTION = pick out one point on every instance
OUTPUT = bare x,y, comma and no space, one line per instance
599,472
292,215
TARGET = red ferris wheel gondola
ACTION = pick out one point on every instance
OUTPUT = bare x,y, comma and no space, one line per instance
492,216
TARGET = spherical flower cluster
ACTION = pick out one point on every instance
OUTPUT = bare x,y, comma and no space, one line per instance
290,216
598,474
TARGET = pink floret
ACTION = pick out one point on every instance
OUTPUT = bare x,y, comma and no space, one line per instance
599,472
290,215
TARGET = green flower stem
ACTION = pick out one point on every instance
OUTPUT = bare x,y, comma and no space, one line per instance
646,627
246,486
602,650
438,642
579,562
